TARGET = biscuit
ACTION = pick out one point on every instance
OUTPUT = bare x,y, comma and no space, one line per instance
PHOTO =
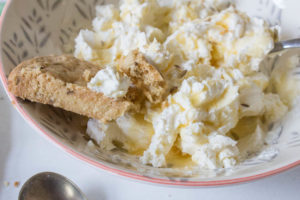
144,75
61,81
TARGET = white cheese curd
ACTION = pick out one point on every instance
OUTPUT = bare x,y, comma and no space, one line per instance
208,151
155,54
110,82
283,78
252,101
187,42
128,132
84,48
250,143
137,131
222,101
165,125
274,108
106,135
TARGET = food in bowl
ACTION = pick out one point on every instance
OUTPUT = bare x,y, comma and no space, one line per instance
190,70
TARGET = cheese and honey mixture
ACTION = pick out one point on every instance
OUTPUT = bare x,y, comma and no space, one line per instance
219,108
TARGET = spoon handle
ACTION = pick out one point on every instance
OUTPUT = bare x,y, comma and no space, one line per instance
287,44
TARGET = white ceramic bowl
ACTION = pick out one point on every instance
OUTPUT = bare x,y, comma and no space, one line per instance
42,27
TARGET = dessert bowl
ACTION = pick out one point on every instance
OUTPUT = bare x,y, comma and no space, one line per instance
49,27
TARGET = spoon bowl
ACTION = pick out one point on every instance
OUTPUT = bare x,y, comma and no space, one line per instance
49,186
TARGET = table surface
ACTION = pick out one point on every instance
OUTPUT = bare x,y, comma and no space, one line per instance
25,152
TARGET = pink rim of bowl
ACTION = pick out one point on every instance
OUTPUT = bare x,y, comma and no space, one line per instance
84,158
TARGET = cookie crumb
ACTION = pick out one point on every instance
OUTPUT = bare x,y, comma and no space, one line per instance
86,75
16,183
6,183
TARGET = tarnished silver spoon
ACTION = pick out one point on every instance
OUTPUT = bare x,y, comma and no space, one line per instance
50,186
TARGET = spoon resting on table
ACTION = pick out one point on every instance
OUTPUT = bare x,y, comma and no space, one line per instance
49,186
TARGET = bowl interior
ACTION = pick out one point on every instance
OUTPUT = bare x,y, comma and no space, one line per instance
46,27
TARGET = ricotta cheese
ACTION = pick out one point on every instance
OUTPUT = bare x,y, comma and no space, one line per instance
109,82
210,54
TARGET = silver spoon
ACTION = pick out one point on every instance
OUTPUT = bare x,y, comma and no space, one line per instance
50,186
287,44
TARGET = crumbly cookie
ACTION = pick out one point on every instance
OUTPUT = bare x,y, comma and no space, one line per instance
61,81
144,75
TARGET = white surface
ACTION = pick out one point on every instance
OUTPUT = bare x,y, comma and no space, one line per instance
24,152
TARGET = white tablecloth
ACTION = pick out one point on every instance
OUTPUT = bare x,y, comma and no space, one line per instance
25,152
